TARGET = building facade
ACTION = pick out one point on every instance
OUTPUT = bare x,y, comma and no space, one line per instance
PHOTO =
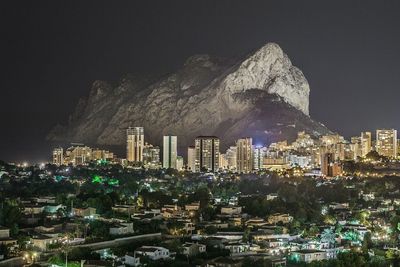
386,142
207,153
135,144
58,156
170,151
191,163
244,155
366,141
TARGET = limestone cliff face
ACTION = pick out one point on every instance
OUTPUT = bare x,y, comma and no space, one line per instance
263,96
270,69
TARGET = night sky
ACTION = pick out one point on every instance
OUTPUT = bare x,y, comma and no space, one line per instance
52,51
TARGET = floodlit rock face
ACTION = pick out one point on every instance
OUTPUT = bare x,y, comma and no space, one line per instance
263,96
270,69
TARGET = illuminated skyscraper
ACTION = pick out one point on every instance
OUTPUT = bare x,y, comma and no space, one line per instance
244,155
207,153
365,143
386,142
223,162
179,163
151,156
258,157
356,147
191,158
170,152
134,144
58,156
231,158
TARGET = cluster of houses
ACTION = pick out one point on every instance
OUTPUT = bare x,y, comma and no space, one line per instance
266,237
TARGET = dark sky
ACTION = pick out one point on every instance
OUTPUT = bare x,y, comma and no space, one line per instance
51,52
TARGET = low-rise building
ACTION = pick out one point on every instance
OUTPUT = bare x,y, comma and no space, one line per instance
121,229
195,206
238,248
5,238
193,249
126,209
154,253
279,217
231,210
131,260
308,255
42,242
84,212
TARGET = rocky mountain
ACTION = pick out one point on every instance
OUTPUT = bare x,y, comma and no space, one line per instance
263,96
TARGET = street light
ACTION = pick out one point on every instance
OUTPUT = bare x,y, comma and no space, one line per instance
30,257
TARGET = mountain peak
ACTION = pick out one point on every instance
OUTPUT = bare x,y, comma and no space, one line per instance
270,69
256,96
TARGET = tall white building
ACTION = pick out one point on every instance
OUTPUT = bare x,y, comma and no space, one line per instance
179,163
170,151
365,143
244,155
259,153
231,158
386,142
191,163
134,144
58,156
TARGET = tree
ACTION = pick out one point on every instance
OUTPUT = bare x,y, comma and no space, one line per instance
208,213
210,230
176,227
10,214
246,235
373,155
329,219
82,254
313,231
202,195
350,259
328,236
99,229
367,242
395,226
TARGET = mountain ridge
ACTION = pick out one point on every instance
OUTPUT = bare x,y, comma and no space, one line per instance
198,99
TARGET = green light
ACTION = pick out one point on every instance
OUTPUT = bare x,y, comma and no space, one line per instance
113,181
97,179
102,162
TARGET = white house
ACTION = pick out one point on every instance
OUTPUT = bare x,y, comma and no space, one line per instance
131,260
308,255
154,253
238,248
121,229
